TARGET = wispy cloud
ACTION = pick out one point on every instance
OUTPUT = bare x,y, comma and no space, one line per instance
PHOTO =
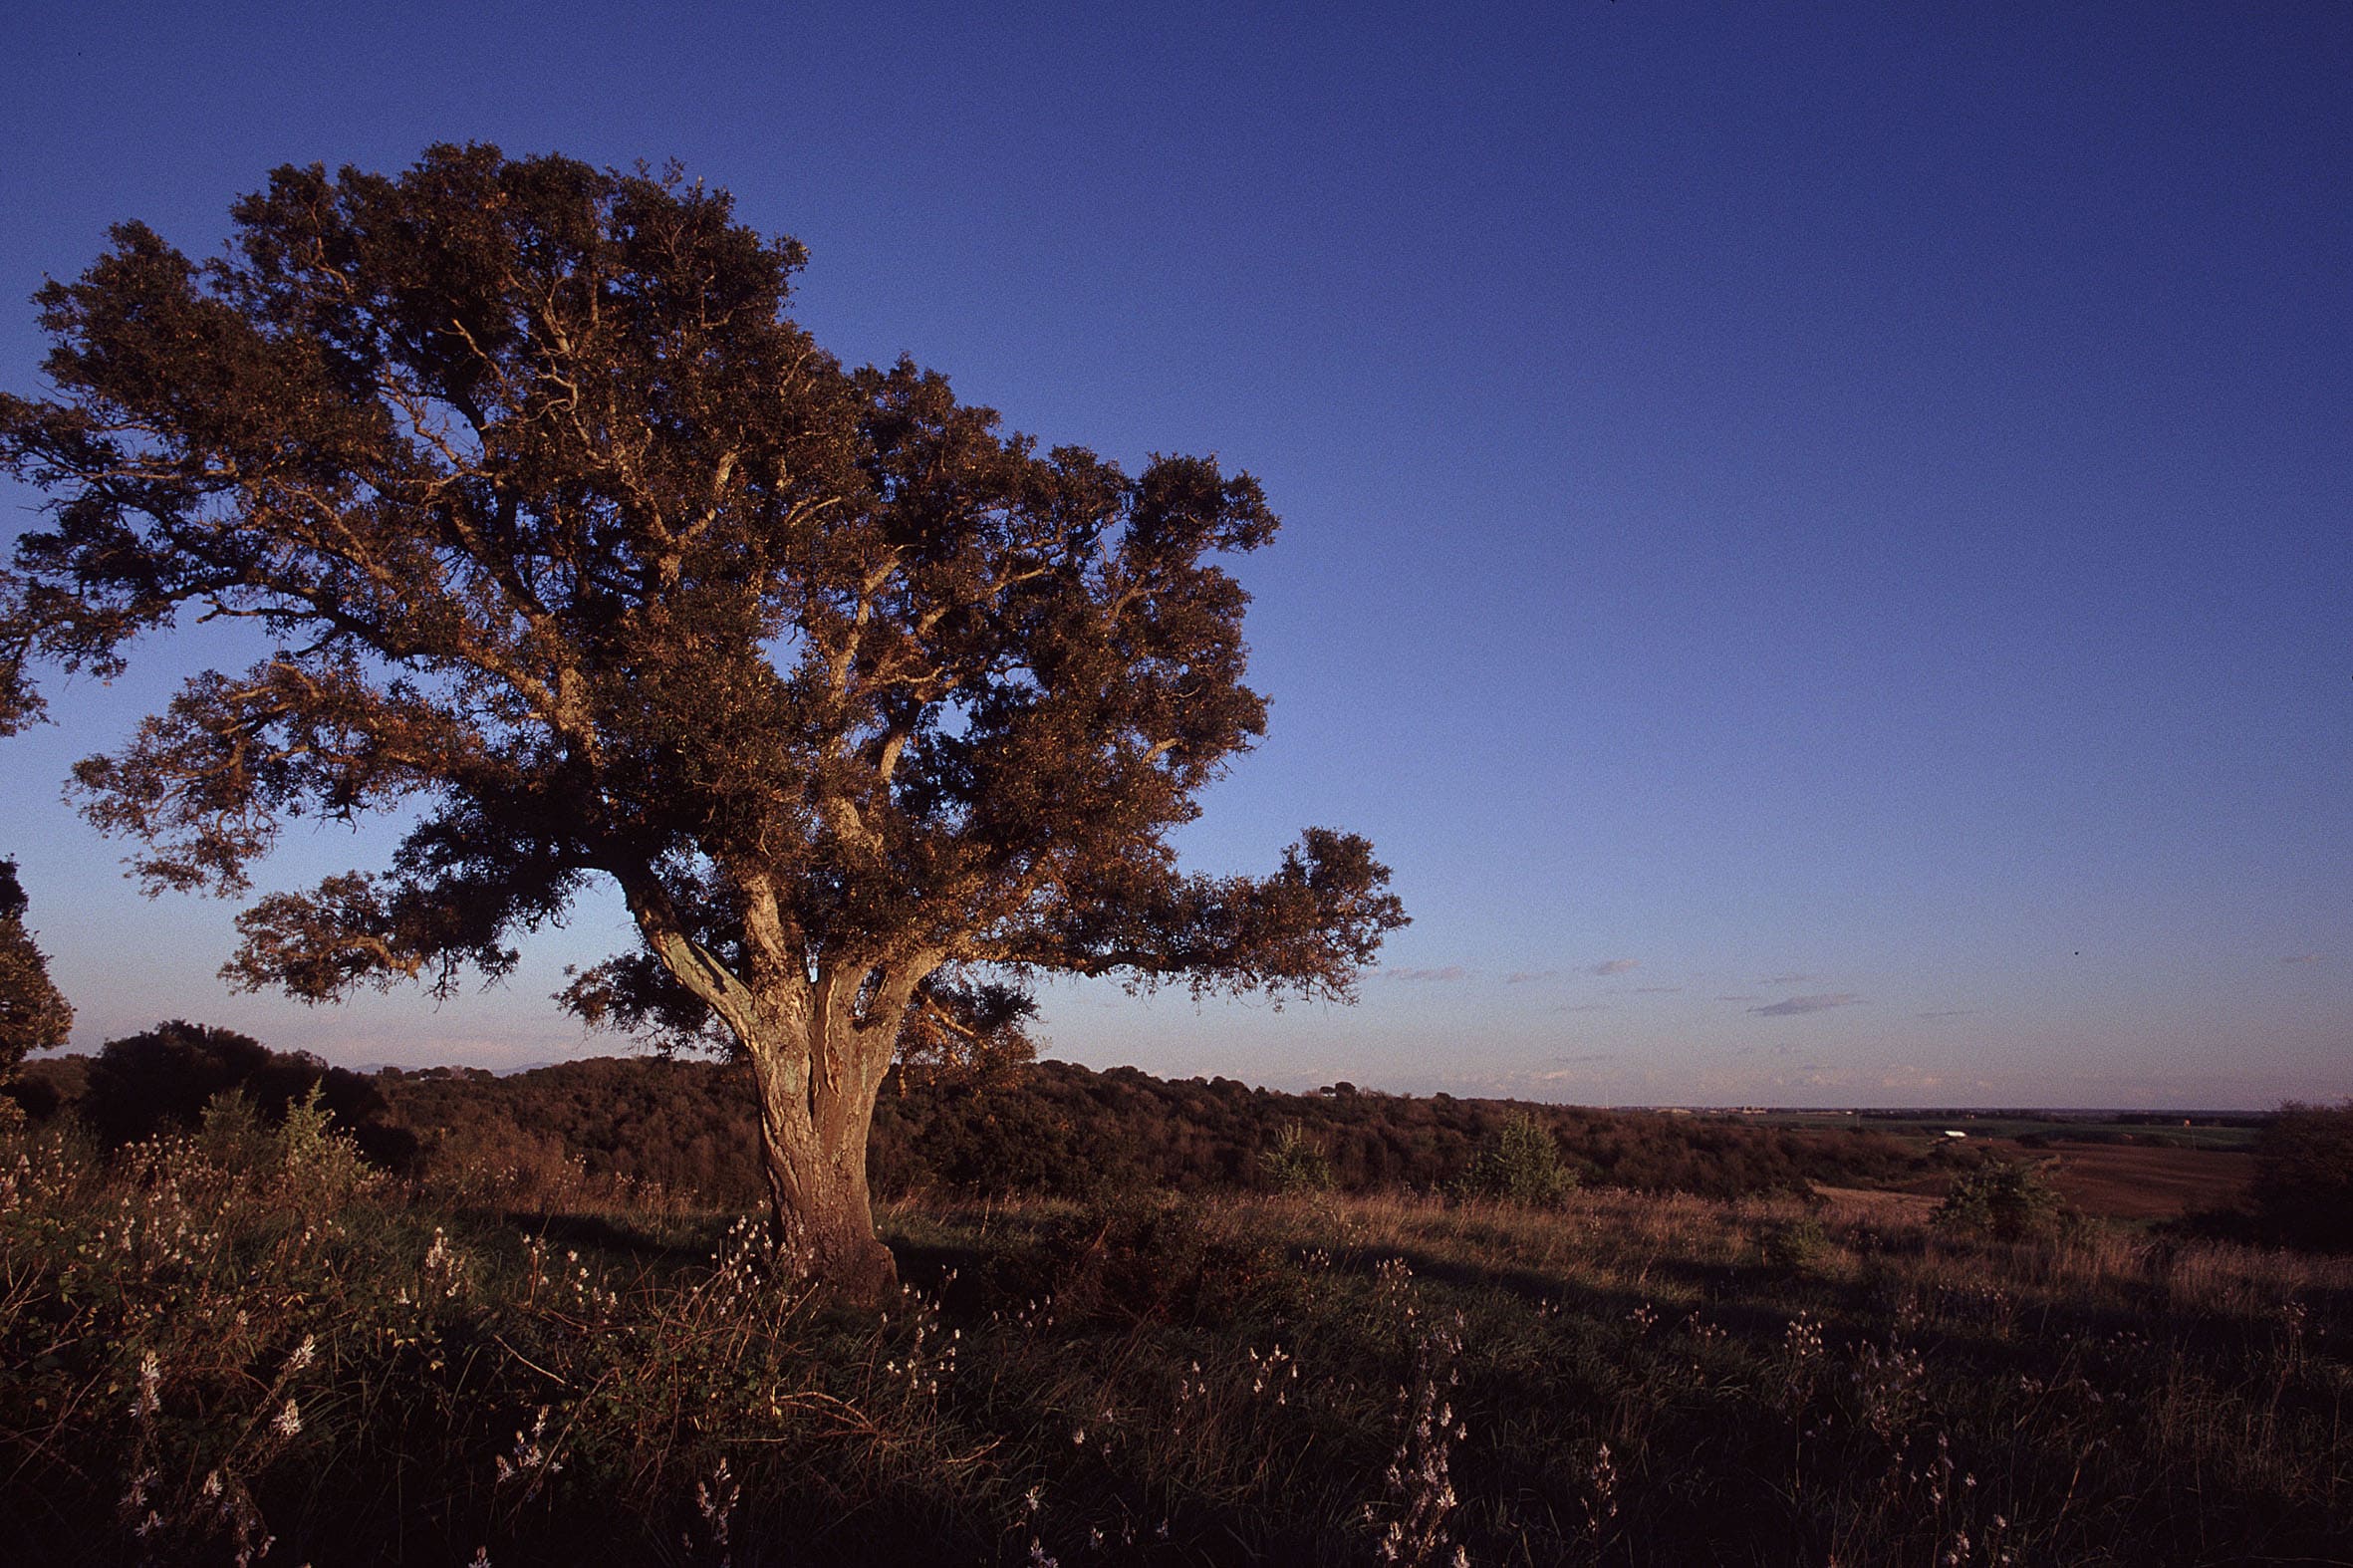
1785,979
1795,1005
1525,976
1950,1012
1453,971
1655,990
2302,957
1583,1061
1752,997
1585,1007
1617,965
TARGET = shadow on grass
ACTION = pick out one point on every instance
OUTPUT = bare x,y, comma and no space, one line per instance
656,1242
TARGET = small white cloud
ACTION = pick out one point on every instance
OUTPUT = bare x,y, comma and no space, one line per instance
1655,990
1617,965
1453,971
1806,1004
1749,998
1526,976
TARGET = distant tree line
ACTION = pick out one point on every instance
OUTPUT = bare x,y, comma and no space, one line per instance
1061,1128
631,1127
1045,1127
161,1079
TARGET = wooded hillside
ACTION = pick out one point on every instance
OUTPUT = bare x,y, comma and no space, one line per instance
1051,1128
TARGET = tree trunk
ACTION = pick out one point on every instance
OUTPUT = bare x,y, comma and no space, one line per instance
817,1088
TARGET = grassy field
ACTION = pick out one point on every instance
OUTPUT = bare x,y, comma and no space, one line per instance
2119,1181
2194,1131
2149,1184
209,1348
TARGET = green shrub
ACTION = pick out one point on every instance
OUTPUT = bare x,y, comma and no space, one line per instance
1520,1164
1297,1163
1796,1245
231,1131
322,1166
2003,1200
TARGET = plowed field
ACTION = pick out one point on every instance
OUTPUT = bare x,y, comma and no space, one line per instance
2119,1181
2148,1184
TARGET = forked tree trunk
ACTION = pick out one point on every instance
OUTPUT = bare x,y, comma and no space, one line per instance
816,1098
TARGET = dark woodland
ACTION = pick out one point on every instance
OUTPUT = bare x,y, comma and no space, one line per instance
687,1128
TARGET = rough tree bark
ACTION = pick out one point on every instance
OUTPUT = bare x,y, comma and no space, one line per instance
816,1098
818,1046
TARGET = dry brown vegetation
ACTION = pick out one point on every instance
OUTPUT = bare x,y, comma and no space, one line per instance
246,1338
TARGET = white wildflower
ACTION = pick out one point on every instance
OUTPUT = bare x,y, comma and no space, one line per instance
150,1381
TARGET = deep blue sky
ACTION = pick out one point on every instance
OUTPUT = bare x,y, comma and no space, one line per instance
1816,536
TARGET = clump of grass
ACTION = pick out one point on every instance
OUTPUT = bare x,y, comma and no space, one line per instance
1799,1244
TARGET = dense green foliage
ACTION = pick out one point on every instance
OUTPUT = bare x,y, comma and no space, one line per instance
1295,1163
241,1338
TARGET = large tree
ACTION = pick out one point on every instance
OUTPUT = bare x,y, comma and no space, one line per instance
569,540
33,1014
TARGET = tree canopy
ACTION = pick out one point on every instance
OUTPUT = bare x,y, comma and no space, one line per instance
572,542
34,1013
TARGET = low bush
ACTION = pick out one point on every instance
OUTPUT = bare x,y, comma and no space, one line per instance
1295,1163
2002,1198
1520,1164
1799,1244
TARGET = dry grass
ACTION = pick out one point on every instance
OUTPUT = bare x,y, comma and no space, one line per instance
206,1350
